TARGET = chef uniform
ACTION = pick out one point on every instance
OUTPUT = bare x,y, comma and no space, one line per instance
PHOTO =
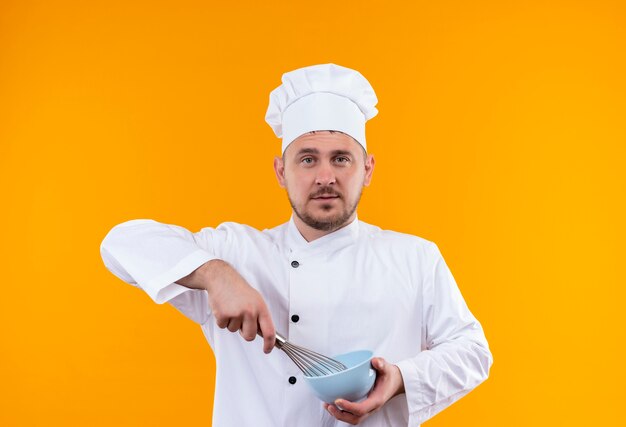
359,287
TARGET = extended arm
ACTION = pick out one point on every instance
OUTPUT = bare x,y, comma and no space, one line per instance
171,264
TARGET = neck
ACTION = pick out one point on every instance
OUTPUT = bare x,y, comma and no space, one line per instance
309,233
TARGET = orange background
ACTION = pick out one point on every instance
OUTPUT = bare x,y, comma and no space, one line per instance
501,137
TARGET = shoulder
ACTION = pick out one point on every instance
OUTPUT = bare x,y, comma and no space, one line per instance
231,230
397,243
382,236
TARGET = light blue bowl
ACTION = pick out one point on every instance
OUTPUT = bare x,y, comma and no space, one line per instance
353,384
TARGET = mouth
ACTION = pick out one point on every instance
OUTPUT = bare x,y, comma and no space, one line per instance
325,197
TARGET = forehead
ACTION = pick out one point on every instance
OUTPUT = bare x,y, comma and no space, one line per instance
324,142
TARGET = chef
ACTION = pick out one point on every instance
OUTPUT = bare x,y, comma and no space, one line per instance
324,279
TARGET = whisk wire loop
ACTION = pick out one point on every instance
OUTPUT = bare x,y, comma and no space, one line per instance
311,364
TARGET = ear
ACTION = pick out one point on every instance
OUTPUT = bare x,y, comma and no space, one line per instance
369,170
279,169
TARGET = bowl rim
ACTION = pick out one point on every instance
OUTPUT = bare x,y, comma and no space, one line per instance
368,359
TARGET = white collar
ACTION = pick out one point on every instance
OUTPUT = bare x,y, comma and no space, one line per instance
339,238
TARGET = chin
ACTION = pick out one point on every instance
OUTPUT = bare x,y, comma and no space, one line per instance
334,218
331,215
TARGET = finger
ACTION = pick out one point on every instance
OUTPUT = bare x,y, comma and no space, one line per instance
234,324
249,328
362,408
343,415
267,330
221,322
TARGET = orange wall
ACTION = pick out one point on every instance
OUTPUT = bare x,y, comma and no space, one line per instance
501,137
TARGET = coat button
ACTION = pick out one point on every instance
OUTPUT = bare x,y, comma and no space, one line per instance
295,318
292,380
295,264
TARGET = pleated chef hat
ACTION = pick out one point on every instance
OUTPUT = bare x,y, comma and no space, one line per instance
321,97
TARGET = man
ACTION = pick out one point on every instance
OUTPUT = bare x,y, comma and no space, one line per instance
326,280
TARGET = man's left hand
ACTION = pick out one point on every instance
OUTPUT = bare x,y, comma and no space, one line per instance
388,384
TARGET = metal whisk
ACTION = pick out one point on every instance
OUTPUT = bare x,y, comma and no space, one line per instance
311,364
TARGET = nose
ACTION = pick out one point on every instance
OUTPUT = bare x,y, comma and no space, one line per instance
325,175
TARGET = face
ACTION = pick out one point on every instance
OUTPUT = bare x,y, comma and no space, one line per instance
324,174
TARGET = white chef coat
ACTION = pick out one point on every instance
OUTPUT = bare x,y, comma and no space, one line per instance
359,287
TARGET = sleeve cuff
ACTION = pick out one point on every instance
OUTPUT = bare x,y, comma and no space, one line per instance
412,386
162,288
420,410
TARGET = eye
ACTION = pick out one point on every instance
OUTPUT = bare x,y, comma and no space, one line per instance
307,160
342,159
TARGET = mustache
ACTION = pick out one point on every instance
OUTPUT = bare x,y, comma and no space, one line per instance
325,192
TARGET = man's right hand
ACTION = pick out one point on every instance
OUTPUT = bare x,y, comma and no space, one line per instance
235,304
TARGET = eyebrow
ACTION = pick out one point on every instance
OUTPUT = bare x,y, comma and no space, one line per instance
316,151
308,151
341,153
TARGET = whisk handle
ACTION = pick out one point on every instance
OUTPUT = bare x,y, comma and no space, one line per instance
280,340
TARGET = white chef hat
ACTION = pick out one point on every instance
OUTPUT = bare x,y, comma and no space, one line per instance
321,97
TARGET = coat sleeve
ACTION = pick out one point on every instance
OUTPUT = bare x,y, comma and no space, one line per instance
457,356
152,256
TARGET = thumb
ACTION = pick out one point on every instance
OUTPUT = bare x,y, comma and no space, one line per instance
378,363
